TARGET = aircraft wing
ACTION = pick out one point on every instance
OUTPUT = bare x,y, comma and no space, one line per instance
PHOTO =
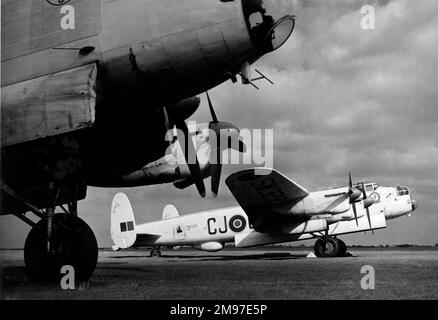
258,191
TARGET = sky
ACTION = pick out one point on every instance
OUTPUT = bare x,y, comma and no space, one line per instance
345,99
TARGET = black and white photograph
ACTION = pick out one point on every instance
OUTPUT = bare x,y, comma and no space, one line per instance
199,151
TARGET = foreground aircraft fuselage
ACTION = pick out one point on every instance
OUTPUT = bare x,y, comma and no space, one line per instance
163,50
210,230
84,83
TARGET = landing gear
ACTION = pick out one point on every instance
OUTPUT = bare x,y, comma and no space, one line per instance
155,252
330,247
57,240
72,243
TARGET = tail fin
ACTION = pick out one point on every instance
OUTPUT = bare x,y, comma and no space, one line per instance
170,212
123,231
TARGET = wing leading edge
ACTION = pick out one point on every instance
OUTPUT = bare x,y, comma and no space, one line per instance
258,191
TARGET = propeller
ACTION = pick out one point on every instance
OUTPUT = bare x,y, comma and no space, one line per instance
189,152
222,130
219,128
191,157
354,194
367,203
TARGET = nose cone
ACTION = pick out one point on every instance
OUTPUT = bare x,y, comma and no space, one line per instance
414,205
270,22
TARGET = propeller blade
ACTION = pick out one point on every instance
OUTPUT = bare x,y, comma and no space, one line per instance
216,170
355,213
183,184
189,149
367,208
369,220
169,136
210,105
350,193
241,147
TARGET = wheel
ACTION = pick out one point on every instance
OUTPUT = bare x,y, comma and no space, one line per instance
155,253
72,244
327,248
342,248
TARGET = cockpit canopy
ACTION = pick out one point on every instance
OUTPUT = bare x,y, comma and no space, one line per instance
402,191
370,187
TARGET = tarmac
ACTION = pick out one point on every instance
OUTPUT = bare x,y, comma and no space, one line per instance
274,273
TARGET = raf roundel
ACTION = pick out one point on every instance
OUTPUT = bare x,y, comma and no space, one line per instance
375,196
237,223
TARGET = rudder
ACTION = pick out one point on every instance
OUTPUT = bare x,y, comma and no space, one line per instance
123,231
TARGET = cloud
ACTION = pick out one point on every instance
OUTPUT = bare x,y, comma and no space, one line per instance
344,99
347,99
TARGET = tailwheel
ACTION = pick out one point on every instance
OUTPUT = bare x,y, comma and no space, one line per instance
155,252
327,247
72,243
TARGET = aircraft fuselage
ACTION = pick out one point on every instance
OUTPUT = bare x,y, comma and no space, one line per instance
163,50
210,230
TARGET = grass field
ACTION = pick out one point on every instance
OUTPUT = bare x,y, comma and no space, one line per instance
269,273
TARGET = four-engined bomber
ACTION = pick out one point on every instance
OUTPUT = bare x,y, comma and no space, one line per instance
273,209
89,89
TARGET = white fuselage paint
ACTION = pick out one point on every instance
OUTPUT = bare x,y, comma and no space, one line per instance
217,225
197,228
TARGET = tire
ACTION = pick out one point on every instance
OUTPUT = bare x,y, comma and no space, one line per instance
327,249
74,245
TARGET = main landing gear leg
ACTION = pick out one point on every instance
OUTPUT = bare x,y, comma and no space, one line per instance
155,252
57,240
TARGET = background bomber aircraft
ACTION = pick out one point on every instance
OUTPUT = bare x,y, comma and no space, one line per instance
273,209
89,90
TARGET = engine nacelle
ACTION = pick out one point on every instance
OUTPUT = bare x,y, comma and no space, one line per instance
182,110
368,202
346,216
316,225
210,246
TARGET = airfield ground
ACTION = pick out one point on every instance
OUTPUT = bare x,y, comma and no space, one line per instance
268,273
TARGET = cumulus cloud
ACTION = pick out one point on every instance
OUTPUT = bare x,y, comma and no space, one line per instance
348,99
345,99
